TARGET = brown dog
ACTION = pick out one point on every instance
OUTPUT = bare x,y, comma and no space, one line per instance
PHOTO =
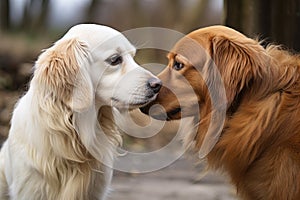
259,144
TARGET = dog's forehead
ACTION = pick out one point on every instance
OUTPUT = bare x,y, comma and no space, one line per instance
189,49
99,36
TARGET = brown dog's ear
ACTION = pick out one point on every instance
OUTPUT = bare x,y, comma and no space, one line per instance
239,61
62,76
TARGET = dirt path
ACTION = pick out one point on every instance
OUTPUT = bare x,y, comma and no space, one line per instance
176,182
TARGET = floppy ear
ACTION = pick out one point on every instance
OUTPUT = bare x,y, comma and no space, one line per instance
61,73
240,60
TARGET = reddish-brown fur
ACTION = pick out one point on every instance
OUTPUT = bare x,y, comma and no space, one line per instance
259,145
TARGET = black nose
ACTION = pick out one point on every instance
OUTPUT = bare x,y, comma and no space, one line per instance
155,84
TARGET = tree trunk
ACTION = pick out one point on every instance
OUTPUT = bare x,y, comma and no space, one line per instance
197,14
4,15
41,21
35,20
286,23
92,10
276,21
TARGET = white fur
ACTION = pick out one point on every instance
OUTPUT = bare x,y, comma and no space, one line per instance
63,137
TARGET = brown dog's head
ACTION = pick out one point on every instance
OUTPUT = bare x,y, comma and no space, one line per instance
190,81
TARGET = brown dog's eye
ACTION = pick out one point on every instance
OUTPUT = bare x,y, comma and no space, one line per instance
177,65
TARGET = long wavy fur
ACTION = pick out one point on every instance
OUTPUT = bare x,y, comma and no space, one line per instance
70,142
259,144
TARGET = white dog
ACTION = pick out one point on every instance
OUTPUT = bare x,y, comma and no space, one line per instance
63,137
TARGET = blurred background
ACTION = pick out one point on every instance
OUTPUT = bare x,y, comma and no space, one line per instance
28,26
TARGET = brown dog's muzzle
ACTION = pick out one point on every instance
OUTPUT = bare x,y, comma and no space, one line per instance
156,108
161,108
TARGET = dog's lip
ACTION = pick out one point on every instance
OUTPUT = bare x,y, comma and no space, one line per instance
115,99
172,113
145,102
167,116
140,104
137,104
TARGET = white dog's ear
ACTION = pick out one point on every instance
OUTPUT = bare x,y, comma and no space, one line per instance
62,75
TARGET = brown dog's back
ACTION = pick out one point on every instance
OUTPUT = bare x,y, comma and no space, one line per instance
259,144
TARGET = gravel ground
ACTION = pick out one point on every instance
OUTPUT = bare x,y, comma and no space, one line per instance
176,182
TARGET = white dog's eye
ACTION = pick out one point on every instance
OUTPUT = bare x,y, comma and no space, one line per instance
114,60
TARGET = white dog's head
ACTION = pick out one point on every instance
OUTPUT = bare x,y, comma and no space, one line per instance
94,64
76,83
